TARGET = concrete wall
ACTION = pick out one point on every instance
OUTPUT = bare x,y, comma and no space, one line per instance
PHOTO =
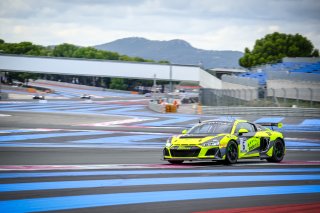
301,59
279,84
228,85
235,82
209,81
277,75
302,90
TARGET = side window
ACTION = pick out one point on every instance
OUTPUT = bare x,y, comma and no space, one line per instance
250,127
245,125
239,126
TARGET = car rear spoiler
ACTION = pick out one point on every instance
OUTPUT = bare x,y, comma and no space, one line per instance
279,125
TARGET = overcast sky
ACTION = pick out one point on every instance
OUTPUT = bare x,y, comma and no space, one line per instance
205,24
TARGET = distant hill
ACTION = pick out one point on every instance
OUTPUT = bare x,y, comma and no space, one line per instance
176,51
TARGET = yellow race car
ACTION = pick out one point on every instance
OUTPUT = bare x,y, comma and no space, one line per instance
227,141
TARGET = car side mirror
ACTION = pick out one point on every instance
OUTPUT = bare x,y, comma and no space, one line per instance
184,131
242,131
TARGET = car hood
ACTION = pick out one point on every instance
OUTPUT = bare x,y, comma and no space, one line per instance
190,139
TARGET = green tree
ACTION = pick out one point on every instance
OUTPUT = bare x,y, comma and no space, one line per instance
118,83
273,47
315,53
23,76
25,48
164,62
71,51
64,50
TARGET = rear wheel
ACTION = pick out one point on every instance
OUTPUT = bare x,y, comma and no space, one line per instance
231,153
175,161
278,151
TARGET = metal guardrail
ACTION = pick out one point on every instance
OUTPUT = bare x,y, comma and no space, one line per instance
269,111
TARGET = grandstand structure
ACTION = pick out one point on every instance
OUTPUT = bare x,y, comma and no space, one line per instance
295,79
292,79
108,68
291,69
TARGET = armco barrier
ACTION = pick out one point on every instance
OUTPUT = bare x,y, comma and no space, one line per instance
269,111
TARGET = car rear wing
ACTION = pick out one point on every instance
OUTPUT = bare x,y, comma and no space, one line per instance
279,125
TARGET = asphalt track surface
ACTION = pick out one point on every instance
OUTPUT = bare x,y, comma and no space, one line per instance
106,157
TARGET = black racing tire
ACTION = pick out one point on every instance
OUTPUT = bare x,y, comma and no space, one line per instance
231,153
278,151
175,161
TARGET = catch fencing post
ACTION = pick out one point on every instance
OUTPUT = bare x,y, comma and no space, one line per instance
239,97
251,94
311,97
284,96
297,97
234,97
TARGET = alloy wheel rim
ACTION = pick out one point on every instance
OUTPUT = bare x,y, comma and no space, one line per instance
232,152
279,150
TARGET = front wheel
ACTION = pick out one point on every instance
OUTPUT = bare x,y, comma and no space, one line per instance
175,161
231,153
278,152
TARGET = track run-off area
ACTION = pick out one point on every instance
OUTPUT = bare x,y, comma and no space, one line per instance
105,156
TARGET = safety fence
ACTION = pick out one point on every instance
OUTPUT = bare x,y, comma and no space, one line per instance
259,97
263,111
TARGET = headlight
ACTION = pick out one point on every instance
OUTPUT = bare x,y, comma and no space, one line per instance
212,142
168,144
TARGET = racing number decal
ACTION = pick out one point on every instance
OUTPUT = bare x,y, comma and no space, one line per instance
243,144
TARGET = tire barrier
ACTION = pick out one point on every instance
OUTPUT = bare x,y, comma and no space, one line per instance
162,107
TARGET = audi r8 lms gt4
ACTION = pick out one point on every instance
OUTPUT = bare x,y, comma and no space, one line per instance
227,141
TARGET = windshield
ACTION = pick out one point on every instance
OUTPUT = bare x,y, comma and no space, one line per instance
211,128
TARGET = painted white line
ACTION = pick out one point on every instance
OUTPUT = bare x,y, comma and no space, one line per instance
283,163
138,166
133,100
110,123
303,139
88,167
303,150
4,115
147,127
13,102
